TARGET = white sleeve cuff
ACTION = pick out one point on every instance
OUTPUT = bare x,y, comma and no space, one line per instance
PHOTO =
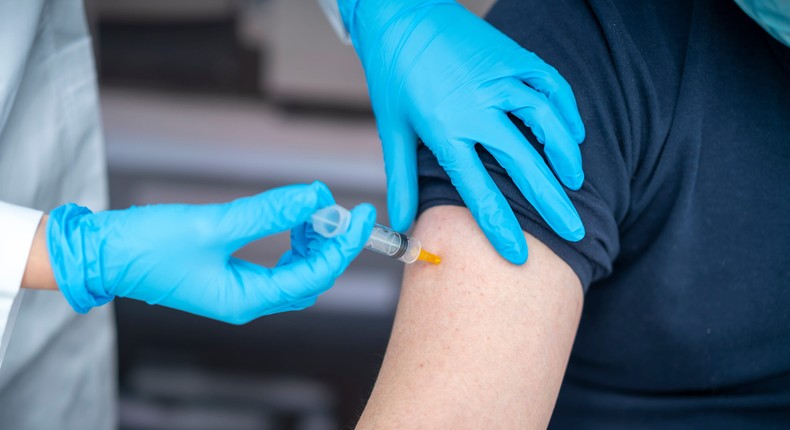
332,12
18,226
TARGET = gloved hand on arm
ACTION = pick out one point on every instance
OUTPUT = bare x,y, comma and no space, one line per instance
180,256
439,73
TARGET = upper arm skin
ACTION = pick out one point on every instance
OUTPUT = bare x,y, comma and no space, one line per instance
477,342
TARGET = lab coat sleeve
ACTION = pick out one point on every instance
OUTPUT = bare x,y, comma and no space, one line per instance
332,11
18,225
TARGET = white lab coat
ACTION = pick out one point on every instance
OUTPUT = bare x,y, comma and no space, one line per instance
59,368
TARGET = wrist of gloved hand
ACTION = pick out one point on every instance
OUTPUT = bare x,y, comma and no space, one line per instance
364,19
74,258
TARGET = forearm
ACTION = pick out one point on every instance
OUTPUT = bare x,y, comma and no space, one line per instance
477,342
38,272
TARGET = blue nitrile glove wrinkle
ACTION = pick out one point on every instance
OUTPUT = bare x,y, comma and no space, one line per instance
76,254
180,256
438,73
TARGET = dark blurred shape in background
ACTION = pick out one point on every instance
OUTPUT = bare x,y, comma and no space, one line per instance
209,100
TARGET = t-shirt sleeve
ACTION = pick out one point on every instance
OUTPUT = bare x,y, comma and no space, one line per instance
611,88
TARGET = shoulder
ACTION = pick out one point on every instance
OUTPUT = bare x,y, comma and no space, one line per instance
623,60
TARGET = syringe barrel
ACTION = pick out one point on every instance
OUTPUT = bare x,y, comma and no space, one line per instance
393,244
334,220
387,242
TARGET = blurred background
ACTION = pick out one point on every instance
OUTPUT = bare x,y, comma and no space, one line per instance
209,100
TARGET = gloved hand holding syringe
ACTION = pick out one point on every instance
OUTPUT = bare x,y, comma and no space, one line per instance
334,220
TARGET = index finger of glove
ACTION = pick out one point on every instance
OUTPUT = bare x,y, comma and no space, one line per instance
533,178
254,217
317,272
537,113
484,200
399,145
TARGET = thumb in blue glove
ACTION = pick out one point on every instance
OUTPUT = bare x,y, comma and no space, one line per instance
439,73
180,256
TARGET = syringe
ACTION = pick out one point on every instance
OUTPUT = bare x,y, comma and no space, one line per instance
334,220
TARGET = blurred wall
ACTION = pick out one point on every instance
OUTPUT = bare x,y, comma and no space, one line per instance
307,64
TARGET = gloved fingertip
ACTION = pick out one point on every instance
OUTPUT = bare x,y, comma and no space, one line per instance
323,193
400,219
511,244
517,253
318,184
577,234
578,133
400,213
400,225
363,217
573,231
367,211
573,182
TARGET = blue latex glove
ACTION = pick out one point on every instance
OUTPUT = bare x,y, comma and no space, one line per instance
180,255
438,72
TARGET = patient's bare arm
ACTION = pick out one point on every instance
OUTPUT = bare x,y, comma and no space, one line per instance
477,342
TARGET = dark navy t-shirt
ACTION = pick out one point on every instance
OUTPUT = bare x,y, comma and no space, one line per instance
686,204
